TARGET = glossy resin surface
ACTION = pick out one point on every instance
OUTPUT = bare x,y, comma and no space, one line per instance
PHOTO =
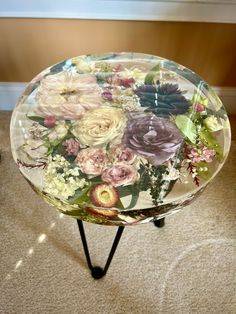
119,138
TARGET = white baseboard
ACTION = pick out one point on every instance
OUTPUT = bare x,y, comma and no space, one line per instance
9,93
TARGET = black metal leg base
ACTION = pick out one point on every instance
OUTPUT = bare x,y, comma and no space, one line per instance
159,223
96,271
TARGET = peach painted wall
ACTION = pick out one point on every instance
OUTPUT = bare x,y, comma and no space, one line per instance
27,46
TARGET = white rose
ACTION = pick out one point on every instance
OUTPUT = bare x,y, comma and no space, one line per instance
100,126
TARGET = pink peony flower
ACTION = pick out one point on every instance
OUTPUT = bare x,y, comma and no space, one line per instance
91,161
120,174
49,121
67,95
72,146
122,154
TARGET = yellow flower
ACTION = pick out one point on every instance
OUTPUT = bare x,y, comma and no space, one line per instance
100,126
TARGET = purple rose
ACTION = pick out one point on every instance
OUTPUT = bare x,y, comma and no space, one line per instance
157,139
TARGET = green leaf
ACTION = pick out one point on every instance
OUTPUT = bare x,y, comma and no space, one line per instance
96,180
149,79
144,181
40,120
135,194
108,147
56,142
129,190
210,141
80,197
123,190
119,204
56,146
187,127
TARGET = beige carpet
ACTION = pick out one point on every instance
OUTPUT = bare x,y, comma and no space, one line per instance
189,266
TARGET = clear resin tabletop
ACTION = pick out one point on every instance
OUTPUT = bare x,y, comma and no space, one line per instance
119,138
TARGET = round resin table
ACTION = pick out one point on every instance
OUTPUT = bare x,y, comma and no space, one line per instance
119,139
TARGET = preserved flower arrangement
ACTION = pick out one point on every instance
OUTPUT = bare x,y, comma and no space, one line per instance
119,138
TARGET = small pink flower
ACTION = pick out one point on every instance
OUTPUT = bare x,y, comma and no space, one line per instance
122,154
49,121
194,155
127,82
72,147
198,107
91,161
208,154
107,95
120,174
201,154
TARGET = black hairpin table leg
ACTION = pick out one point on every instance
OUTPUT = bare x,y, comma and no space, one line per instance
159,223
96,271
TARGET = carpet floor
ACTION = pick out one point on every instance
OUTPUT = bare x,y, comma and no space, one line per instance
189,266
